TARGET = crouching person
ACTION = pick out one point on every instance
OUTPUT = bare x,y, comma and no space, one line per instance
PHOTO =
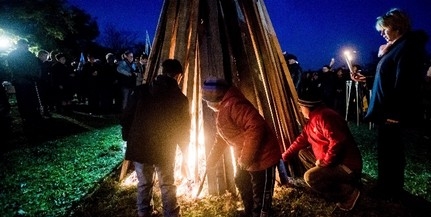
328,152
154,122
255,145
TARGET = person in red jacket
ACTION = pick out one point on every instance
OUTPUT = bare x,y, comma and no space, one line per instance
328,152
255,145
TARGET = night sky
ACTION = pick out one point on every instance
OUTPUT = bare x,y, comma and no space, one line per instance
314,31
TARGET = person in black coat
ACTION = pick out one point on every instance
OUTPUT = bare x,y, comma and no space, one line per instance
25,70
395,102
155,121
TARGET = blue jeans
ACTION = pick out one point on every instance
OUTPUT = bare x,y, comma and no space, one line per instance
125,93
146,177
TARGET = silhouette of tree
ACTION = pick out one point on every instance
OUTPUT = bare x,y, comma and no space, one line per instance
118,40
48,23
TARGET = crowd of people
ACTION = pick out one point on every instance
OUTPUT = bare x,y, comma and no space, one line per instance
56,82
339,89
156,117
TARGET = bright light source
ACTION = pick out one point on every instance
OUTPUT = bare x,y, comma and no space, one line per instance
5,42
348,55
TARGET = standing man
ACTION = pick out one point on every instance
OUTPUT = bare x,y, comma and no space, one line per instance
294,69
255,145
25,70
127,72
140,65
155,121
396,100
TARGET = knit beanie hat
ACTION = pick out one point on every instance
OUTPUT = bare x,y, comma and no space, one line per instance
310,99
213,89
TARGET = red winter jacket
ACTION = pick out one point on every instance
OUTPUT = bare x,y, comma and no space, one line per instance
330,139
239,124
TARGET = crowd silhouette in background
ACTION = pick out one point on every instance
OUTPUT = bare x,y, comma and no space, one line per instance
333,82
56,82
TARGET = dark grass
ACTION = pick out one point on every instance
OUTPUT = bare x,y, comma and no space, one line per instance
297,200
71,168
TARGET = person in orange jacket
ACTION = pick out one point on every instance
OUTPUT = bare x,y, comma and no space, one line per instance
255,145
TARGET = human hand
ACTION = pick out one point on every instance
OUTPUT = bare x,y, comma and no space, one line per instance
284,156
383,49
320,163
332,62
358,77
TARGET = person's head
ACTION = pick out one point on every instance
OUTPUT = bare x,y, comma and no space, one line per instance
128,55
60,57
340,71
43,55
213,91
356,68
22,44
326,68
110,58
393,24
173,69
291,59
308,102
143,59
90,58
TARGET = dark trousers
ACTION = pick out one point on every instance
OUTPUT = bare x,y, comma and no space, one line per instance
333,182
390,158
256,190
27,101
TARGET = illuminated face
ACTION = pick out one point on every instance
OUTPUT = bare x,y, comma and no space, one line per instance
178,77
305,111
130,57
389,34
43,57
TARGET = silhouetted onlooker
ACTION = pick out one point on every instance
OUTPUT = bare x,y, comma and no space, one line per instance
25,71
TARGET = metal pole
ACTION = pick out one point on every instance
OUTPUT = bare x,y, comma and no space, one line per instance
371,125
357,102
41,109
348,90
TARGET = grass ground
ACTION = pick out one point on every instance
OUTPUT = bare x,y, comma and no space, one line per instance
71,168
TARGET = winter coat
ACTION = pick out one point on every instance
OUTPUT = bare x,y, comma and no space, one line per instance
155,120
240,125
127,74
330,139
396,88
24,67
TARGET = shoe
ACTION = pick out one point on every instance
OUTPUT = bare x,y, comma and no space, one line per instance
350,203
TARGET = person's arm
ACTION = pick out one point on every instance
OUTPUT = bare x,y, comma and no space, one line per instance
247,117
299,143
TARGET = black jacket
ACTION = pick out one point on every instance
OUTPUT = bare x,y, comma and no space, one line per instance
156,120
396,88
